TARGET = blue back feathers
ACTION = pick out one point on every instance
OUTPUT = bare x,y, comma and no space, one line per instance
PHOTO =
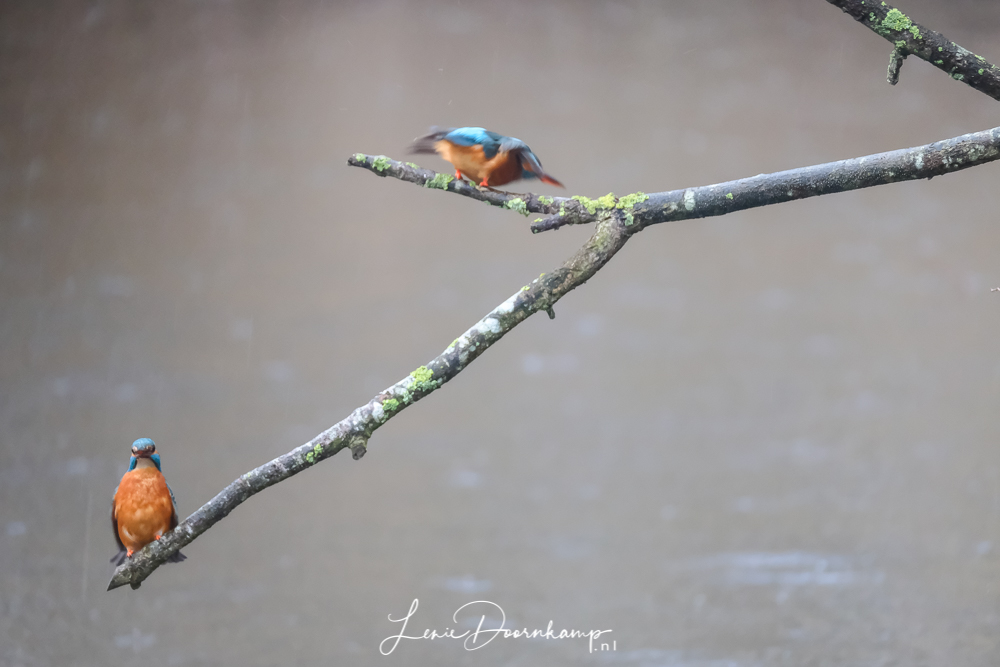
472,136
492,143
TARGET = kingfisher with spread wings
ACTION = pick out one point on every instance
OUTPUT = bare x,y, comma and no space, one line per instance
486,157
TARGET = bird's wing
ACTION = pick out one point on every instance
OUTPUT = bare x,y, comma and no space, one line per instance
177,556
512,145
173,502
477,136
529,161
428,142
120,556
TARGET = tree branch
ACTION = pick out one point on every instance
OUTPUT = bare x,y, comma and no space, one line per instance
354,431
640,210
572,208
908,38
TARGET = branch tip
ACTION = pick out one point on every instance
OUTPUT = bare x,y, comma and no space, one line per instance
896,59
359,447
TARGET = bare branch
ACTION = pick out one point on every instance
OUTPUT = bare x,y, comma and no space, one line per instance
908,37
641,210
354,431
908,164
572,208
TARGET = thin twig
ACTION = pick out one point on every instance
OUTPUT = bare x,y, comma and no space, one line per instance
896,59
909,38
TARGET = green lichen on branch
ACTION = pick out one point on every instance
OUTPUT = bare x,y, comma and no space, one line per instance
422,374
547,201
609,202
627,202
413,164
439,181
314,454
390,405
897,21
423,380
517,204
605,202
381,163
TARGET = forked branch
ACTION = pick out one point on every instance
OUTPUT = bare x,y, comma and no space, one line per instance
641,210
910,38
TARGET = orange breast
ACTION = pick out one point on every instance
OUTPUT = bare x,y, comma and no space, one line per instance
469,160
503,168
143,508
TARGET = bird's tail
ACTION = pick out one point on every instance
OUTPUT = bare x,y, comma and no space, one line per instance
531,164
427,143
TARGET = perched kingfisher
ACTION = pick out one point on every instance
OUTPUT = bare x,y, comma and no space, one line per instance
143,507
486,157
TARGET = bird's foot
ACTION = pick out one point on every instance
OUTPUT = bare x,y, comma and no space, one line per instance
129,552
493,189
157,536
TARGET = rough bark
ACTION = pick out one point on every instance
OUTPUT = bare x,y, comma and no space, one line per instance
640,210
909,38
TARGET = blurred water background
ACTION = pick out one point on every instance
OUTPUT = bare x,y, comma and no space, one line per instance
764,439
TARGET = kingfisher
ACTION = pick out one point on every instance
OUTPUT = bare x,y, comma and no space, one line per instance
143,507
486,157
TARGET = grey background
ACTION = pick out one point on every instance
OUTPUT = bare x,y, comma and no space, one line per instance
765,439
